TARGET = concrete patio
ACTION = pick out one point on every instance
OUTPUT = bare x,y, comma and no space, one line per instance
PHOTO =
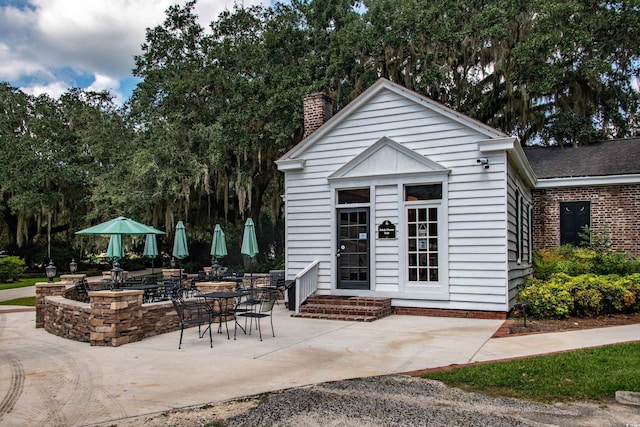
48,380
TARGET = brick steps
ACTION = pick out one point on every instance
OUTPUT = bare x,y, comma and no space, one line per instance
358,309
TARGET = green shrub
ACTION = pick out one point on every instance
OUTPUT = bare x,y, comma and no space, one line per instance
616,263
11,267
577,261
547,299
585,295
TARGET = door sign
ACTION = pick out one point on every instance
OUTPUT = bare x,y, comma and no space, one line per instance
387,230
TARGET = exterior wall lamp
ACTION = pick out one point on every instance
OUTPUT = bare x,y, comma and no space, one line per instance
484,162
50,271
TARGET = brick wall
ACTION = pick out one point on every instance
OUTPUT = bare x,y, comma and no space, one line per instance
318,108
617,206
67,318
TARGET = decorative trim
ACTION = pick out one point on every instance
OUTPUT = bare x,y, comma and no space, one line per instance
430,167
290,165
584,181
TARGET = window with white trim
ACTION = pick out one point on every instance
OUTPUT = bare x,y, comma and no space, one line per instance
422,208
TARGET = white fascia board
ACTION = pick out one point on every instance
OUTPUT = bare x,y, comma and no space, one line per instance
510,145
582,181
290,165
497,144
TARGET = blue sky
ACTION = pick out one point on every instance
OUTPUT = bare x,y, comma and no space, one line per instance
49,46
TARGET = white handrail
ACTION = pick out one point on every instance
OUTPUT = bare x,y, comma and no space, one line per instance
306,283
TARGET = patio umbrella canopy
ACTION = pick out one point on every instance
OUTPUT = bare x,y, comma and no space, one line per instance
117,227
150,249
150,246
249,241
218,245
115,251
180,249
120,225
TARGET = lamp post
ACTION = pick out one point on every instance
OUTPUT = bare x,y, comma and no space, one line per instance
524,305
50,270
215,268
116,275
73,266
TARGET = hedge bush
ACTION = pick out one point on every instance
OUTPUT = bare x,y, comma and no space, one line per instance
576,261
11,267
586,295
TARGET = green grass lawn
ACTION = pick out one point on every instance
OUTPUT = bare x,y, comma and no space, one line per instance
26,301
589,374
23,283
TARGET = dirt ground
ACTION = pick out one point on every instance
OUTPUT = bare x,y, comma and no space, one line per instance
550,325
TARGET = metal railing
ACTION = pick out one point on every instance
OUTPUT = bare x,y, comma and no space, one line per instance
306,283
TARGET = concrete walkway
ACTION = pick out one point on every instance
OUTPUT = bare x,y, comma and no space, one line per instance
47,380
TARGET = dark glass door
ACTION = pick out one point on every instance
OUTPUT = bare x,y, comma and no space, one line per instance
353,248
573,217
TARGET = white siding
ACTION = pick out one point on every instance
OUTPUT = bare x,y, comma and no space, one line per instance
386,262
519,267
474,204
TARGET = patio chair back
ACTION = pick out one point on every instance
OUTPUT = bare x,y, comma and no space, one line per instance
192,312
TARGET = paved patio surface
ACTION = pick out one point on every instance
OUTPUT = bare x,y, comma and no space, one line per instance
48,380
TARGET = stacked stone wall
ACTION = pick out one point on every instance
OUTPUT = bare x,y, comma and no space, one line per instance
67,318
616,207
116,317
158,318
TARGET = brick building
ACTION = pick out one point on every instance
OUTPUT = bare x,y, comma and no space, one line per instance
597,185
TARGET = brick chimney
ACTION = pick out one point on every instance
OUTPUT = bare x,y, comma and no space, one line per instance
318,108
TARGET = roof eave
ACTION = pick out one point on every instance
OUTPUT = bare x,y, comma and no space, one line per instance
580,181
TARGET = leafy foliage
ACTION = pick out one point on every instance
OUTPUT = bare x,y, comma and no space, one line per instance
585,295
215,107
11,267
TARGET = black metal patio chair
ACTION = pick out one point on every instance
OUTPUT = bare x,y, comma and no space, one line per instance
259,310
193,311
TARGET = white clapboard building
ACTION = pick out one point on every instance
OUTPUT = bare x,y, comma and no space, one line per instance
398,196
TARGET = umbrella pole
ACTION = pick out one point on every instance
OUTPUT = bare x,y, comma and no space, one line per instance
152,272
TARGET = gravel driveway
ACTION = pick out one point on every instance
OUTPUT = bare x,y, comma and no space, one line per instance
394,400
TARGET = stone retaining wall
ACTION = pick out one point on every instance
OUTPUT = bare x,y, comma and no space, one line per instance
112,318
67,318
158,318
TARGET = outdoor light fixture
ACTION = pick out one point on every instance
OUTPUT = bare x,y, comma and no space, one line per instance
484,162
524,305
172,263
73,266
215,268
116,274
50,270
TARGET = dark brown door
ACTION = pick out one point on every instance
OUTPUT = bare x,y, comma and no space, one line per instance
353,248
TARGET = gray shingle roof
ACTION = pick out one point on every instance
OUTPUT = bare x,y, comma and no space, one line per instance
614,157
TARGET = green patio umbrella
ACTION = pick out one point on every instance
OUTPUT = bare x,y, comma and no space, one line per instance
180,249
117,227
249,241
115,251
218,245
120,225
151,249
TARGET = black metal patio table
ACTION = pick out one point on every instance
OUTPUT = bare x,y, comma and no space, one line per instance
226,306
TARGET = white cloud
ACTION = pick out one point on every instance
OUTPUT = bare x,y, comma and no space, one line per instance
46,44
54,89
